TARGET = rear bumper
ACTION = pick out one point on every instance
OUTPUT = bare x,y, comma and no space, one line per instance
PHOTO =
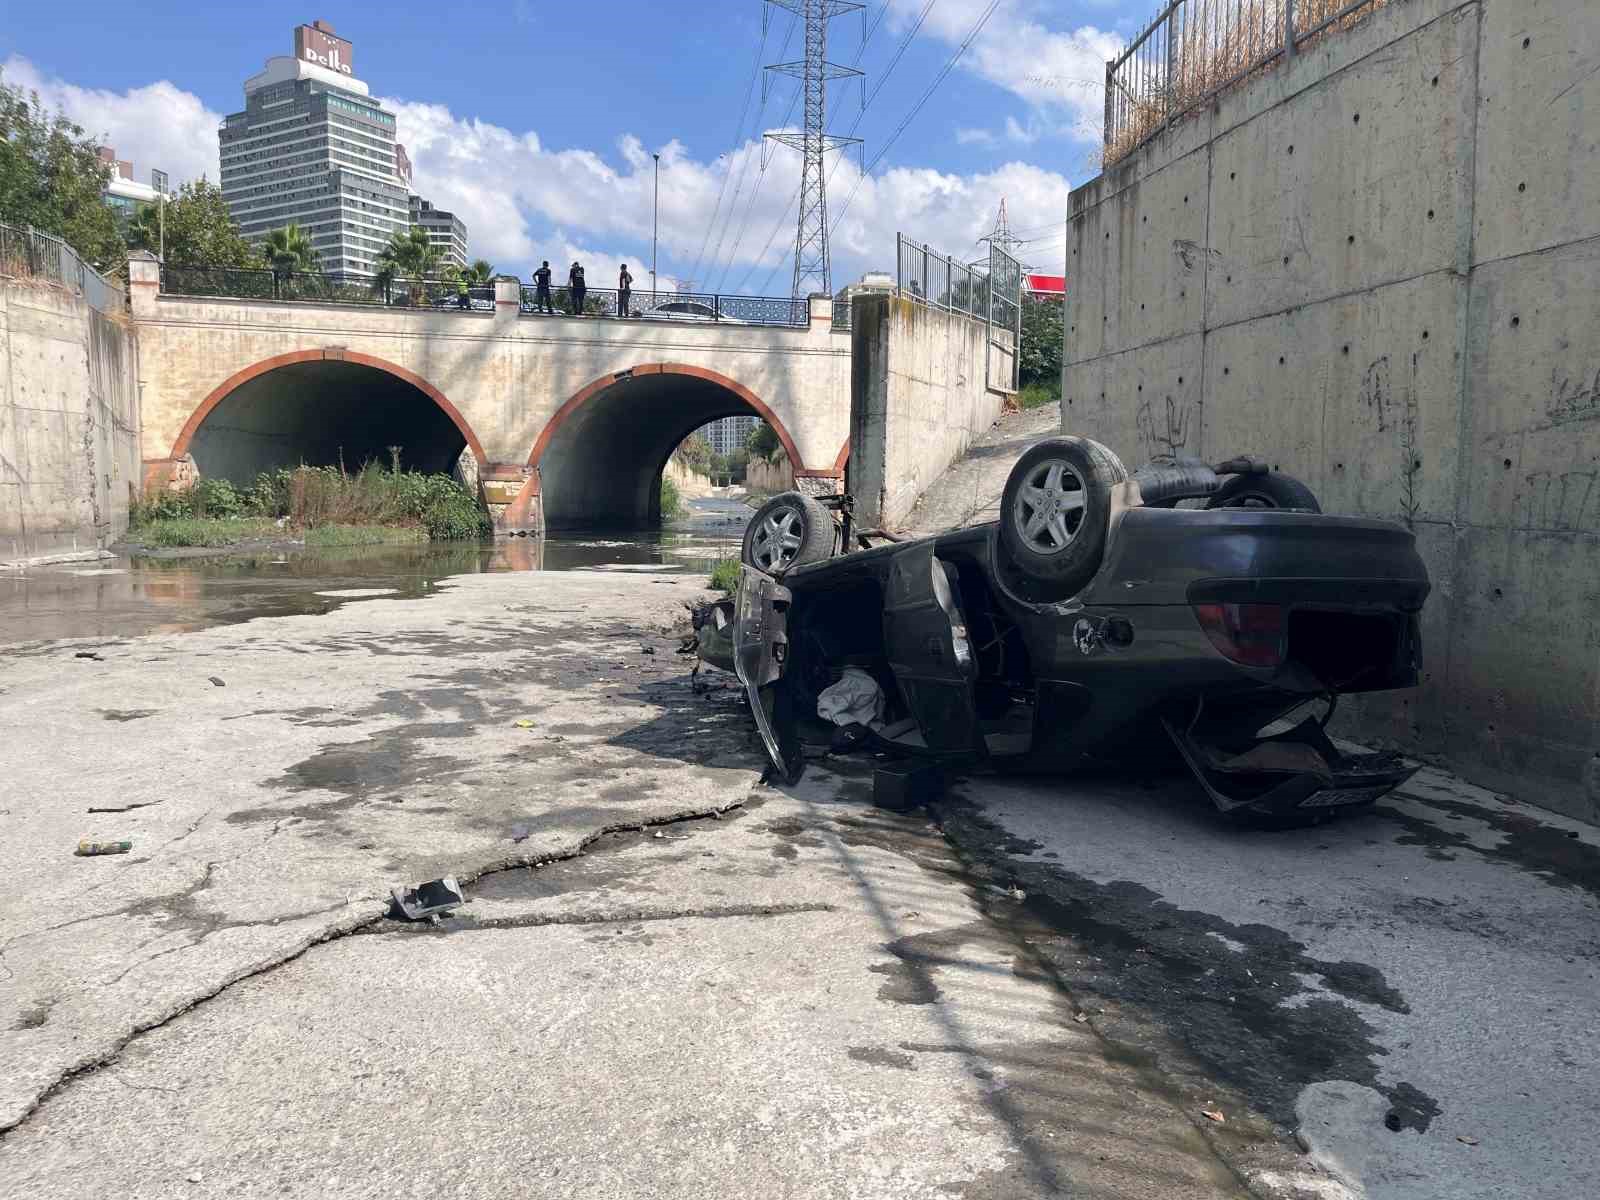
1300,769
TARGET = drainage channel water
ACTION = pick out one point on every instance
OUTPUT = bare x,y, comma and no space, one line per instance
174,591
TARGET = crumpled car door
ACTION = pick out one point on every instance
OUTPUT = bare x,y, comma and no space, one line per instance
925,635
760,650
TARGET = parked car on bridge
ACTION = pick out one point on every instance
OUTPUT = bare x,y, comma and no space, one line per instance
687,310
1095,622
478,300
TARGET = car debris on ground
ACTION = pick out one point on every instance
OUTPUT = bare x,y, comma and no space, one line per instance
428,899
88,849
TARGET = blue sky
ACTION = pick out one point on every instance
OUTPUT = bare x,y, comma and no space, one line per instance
535,120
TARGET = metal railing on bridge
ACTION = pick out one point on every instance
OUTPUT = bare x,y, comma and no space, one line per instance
32,254
688,307
251,283
248,283
1193,49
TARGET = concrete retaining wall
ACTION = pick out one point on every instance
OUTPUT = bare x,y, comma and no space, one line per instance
69,424
1379,265
918,397
769,478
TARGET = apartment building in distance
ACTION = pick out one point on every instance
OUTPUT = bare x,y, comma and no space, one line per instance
124,194
311,147
446,231
728,434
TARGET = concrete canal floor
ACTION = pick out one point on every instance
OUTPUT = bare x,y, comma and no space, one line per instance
671,980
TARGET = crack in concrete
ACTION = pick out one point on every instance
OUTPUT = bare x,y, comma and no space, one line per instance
470,924
359,922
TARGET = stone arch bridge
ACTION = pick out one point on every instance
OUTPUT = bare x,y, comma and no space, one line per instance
566,421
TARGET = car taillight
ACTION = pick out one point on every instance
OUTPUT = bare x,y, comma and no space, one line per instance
1248,634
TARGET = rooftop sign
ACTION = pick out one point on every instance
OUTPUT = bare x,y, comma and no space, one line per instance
316,43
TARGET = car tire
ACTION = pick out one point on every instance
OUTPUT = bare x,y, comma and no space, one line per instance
1271,490
789,530
1054,513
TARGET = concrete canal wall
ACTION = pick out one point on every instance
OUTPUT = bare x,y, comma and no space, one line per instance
1379,265
69,422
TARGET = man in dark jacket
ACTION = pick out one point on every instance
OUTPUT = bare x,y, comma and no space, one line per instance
624,293
578,288
541,295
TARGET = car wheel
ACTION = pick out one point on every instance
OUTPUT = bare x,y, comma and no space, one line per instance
788,531
1054,512
1271,490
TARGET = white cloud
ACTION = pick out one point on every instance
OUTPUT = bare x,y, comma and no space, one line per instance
158,125
1026,49
975,137
524,201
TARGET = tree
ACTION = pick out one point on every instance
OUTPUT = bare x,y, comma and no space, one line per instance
289,249
763,441
199,231
51,178
694,452
479,273
1042,333
410,255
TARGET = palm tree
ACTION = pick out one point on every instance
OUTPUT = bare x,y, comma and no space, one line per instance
479,273
410,255
289,250
144,229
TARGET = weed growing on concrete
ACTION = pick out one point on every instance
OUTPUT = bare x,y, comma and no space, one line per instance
725,575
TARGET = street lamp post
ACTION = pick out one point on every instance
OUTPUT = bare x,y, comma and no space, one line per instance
655,228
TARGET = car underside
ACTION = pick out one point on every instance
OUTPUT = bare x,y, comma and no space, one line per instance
1223,636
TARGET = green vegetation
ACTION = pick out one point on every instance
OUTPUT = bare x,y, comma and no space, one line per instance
672,505
694,452
290,250
364,535
479,273
725,576
1042,345
329,506
168,532
1037,395
763,442
51,178
198,230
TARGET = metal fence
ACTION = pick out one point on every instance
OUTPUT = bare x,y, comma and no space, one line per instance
993,296
923,274
30,253
248,283
689,307
1196,48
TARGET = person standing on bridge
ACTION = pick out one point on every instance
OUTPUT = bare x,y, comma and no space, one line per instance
578,288
541,295
624,292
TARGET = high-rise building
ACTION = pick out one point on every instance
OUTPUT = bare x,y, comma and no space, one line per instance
124,194
729,433
313,148
446,231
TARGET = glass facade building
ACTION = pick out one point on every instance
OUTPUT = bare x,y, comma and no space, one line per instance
313,149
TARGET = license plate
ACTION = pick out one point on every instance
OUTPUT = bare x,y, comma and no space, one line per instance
1328,797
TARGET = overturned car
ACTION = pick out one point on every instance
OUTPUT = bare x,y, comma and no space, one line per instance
1094,621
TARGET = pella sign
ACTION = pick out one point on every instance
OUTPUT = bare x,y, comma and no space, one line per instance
316,46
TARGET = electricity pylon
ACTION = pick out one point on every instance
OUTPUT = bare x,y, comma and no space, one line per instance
813,271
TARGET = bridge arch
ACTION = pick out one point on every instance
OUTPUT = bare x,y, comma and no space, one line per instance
598,460
320,407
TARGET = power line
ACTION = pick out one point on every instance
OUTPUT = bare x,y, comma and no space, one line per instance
744,165
977,28
738,137
755,192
